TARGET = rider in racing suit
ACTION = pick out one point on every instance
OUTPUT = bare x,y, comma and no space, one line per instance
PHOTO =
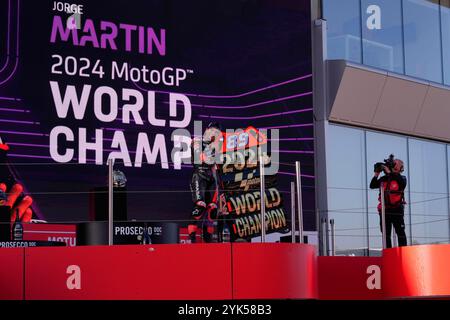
203,185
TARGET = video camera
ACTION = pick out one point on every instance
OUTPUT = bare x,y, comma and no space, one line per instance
389,163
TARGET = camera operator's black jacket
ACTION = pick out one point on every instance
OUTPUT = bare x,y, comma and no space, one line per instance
375,183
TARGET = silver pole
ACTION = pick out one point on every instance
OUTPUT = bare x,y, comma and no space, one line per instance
263,199
299,200
333,251
394,242
383,216
293,211
110,202
324,236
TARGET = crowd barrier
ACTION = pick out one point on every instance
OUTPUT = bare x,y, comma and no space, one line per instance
160,272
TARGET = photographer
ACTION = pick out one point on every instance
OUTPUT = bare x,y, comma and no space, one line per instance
394,185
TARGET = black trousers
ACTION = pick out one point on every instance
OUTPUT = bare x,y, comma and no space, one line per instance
395,219
203,188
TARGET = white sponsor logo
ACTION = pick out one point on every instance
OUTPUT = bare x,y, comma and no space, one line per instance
374,280
374,20
74,279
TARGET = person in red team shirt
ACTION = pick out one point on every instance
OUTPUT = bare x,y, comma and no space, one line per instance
394,186
11,195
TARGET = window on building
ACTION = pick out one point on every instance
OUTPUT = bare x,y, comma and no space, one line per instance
382,43
429,192
422,39
347,188
351,155
344,29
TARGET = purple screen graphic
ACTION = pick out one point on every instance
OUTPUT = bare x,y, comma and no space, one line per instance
245,63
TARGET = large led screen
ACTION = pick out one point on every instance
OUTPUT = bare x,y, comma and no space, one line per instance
87,81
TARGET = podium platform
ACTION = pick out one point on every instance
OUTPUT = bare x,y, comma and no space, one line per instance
160,272
411,272
223,271
417,272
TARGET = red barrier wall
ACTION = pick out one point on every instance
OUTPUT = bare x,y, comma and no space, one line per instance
350,278
417,271
274,271
11,273
186,272
50,232
172,272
